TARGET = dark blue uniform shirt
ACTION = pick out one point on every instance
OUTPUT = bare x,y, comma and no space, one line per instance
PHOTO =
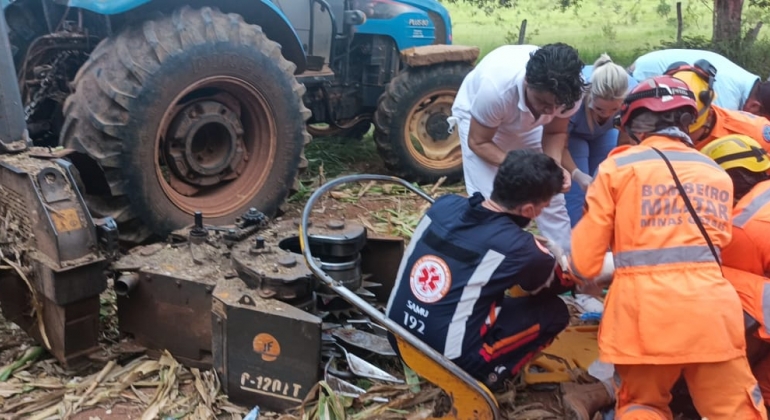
460,261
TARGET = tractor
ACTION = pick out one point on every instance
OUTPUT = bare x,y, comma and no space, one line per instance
170,107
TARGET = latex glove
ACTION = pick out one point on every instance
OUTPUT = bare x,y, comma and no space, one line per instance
581,178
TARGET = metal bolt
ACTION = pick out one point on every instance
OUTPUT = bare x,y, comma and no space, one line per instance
275,268
231,231
198,220
259,243
335,224
179,283
287,261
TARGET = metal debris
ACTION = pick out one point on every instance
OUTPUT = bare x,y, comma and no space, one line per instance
365,340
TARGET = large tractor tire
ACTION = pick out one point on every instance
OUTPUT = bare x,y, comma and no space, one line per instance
411,129
197,111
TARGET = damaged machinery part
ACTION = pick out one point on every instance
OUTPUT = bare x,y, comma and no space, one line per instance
470,398
261,334
47,224
159,288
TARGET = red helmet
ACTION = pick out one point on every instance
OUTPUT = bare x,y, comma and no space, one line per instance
658,94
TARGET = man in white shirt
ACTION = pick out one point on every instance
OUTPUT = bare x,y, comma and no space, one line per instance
519,97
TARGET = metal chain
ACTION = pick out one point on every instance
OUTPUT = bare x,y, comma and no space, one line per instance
45,85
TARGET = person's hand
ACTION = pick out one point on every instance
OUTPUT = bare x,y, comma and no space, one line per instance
582,179
565,187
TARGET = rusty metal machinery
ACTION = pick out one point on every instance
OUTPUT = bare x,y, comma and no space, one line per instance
53,252
242,300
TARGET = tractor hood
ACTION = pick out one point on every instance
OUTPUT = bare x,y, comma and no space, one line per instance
429,5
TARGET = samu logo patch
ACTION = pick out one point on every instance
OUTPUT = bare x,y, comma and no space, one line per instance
430,279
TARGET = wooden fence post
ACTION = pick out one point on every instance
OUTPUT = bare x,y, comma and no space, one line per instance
679,23
522,31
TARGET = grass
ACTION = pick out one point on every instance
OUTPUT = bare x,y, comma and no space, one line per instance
622,28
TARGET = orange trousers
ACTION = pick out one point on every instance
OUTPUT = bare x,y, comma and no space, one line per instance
720,391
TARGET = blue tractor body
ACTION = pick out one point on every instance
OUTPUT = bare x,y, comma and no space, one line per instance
354,63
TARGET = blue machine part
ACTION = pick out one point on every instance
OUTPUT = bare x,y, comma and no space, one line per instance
114,7
406,21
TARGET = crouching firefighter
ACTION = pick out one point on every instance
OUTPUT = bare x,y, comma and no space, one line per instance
465,254
746,259
664,210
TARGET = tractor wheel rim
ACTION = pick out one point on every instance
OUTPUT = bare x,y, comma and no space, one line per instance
426,136
215,146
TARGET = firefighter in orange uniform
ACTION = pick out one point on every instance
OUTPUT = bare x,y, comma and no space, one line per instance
669,311
714,122
747,258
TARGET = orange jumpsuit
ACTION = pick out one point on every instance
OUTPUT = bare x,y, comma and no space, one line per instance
729,122
747,266
669,311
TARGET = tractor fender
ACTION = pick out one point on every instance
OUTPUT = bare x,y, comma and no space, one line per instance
434,54
280,29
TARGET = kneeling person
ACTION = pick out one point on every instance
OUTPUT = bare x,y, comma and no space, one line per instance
465,254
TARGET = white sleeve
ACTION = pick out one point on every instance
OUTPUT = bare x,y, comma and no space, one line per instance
489,106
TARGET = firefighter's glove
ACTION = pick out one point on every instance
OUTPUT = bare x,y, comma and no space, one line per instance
581,178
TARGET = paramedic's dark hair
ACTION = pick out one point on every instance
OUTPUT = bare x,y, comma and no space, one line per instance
556,68
526,176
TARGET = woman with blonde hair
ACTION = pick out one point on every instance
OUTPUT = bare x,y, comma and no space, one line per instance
591,130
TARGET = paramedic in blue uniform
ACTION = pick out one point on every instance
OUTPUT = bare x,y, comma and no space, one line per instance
465,253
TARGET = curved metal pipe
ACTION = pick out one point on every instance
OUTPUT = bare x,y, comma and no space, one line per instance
361,304
126,283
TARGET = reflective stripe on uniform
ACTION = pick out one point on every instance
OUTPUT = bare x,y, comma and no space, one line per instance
750,210
419,231
674,156
471,292
756,395
650,257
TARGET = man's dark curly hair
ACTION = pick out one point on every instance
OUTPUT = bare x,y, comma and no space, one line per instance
556,68
526,176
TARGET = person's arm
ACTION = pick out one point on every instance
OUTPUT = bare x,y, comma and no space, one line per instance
566,160
487,111
592,235
480,142
541,274
555,135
